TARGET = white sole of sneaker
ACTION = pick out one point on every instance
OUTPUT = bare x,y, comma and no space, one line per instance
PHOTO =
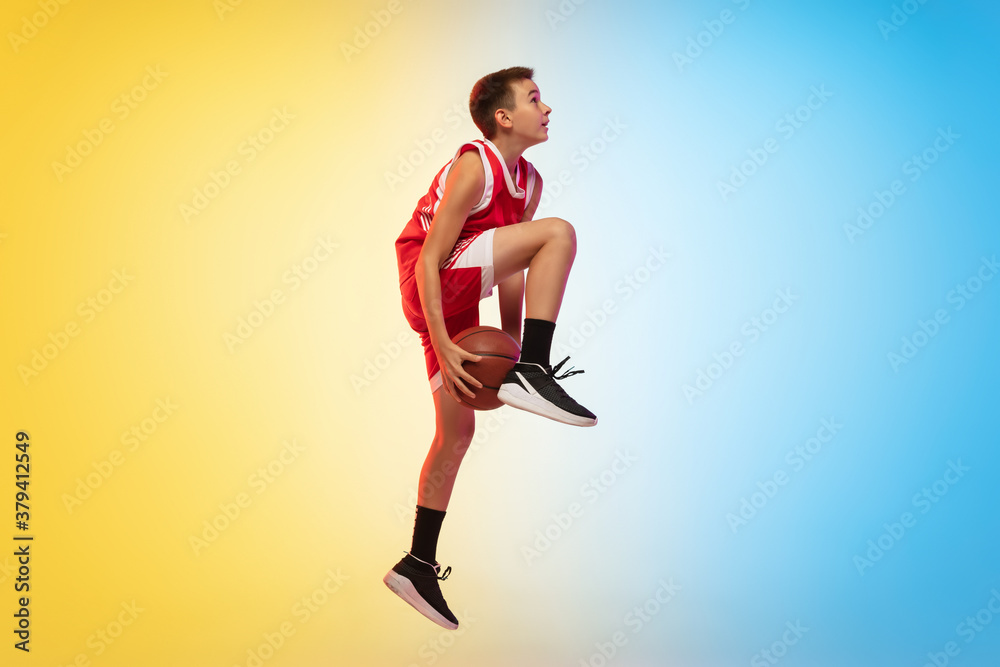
516,397
402,587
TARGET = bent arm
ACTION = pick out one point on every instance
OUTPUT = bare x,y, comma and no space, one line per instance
462,191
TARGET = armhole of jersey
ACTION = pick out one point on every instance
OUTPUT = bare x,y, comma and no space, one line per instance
484,201
529,188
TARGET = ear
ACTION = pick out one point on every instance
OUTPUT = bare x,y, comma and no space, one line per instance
503,119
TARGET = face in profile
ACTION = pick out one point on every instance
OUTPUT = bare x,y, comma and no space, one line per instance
530,116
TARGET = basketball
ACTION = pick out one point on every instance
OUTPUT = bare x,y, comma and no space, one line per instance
499,353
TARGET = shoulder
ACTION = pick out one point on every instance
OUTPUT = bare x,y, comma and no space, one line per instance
466,179
468,167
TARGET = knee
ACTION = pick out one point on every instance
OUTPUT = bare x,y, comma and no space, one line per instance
455,442
461,445
463,440
563,231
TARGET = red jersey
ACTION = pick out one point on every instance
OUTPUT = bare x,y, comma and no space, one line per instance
503,202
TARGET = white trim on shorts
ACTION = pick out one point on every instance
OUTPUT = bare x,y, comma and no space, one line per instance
476,251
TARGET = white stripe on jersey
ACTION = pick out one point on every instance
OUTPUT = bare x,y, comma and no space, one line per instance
457,251
425,218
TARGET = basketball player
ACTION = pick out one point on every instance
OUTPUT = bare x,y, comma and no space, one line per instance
471,232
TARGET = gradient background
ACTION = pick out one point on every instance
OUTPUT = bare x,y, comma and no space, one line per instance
335,369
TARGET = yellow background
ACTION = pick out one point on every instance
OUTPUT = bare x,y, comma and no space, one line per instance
335,508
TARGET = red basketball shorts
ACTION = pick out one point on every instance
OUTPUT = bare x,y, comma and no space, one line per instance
466,278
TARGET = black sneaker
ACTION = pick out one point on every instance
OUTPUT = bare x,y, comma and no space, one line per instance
416,581
533,387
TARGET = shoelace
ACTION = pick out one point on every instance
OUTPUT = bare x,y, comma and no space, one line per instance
435,566
569,373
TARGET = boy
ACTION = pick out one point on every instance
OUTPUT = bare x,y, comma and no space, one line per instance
472,231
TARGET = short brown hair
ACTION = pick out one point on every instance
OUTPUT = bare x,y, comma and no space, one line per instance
495,91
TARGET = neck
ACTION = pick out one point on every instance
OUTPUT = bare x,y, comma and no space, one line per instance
510,151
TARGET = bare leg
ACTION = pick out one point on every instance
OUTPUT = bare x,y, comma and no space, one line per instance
415,577
455,426
547,248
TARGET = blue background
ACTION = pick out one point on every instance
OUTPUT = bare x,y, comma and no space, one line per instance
656,185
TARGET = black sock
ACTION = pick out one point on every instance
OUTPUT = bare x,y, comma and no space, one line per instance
537,341
426,529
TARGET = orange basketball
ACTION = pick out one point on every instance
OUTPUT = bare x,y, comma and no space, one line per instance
499,353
